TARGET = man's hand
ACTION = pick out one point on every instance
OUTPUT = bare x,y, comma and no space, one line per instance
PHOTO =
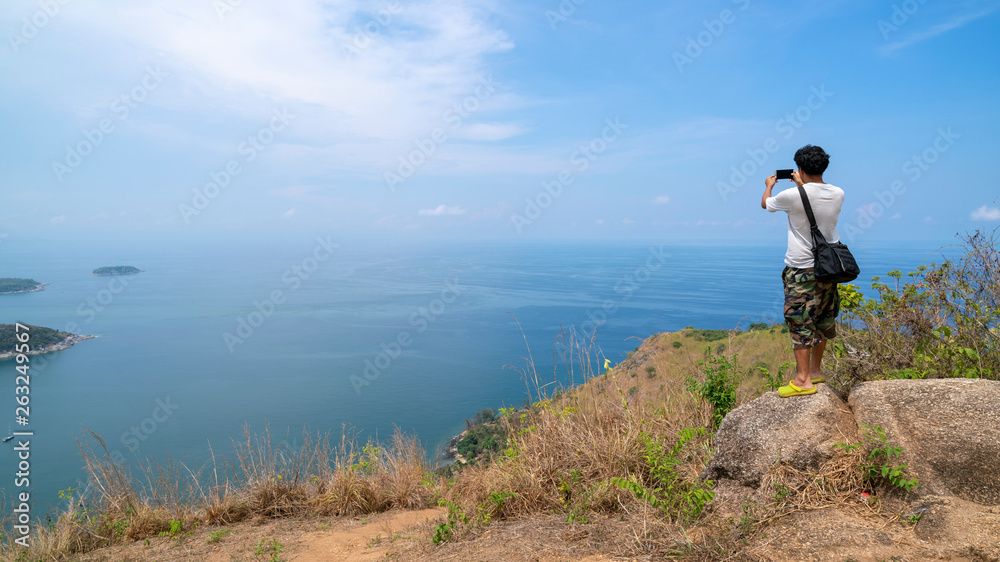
797,179
769,184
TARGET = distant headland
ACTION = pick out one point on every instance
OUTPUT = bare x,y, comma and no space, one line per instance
12,285
117,270
40,340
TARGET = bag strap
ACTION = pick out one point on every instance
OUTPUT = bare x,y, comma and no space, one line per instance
817,235
808,207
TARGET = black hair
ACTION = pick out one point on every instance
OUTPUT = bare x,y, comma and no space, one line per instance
812,159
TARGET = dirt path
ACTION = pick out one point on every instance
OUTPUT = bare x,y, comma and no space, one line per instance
364,542
289,540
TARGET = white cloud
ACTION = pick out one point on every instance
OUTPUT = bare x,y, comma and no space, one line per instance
985,213
628,221
289,213
599,221
58,220
661,200
938,29
896,216
928,219
391,82
441,211
487,132
293,192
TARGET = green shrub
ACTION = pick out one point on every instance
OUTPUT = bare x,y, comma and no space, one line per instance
482,439
270,548
706,335
682,498
719,386
880,466
942,322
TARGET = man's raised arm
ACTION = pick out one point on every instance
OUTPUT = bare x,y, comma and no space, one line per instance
769,182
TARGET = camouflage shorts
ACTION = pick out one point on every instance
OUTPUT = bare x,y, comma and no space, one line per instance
811,307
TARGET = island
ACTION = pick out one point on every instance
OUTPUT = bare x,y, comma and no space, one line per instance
12,285
40,340
117,270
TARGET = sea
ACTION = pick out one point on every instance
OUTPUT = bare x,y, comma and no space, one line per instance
313,334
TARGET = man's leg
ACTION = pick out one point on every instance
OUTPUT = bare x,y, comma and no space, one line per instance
799,286
803,377
816,359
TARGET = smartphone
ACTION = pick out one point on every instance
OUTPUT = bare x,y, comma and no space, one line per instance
784,174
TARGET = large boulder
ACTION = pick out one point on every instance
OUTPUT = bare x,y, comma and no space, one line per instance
800,431
949,429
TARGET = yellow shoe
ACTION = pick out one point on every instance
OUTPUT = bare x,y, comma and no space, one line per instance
792,390
817,380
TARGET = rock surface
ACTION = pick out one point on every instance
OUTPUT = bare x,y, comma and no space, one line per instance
800,431
949,428
950,432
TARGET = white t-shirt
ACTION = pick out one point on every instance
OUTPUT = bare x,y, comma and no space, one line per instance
826,201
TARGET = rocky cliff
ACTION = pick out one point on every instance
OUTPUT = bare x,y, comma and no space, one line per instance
949,430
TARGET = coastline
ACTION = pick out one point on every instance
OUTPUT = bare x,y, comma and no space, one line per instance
451,453
40,287
64,344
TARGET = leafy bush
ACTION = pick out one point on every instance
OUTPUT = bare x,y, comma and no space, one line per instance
706,335
664,487
880,466
719,386
486,415
482,439
943,322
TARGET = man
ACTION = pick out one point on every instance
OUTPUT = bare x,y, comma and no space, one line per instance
811,307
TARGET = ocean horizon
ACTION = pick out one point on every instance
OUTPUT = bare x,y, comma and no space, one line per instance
319,335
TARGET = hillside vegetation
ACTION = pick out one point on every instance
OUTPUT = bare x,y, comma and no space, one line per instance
615,460
117,270
17,285
38,337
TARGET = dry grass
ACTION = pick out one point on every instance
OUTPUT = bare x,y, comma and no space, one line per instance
262,483
566,455
565,452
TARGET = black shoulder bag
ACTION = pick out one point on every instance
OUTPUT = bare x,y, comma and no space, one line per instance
833,262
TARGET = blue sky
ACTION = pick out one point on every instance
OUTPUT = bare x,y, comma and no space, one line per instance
448,119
